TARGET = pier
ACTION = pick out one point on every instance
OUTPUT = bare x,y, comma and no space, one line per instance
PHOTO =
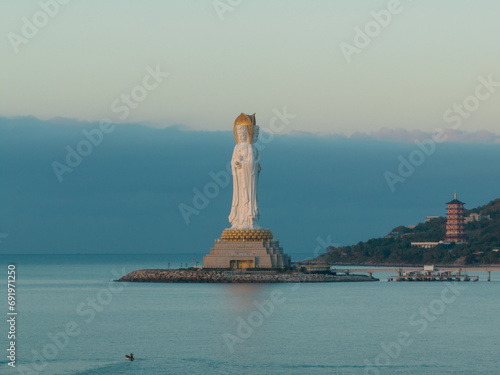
441,273
428,273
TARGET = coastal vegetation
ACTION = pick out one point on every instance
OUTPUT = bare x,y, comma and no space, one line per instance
482,247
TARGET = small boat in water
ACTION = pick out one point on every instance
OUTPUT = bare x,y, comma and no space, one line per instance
129,357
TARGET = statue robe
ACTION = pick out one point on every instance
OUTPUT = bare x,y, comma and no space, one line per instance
244,209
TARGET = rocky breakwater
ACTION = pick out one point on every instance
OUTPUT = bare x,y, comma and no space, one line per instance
216,276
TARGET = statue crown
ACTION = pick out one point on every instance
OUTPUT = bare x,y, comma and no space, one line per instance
244,120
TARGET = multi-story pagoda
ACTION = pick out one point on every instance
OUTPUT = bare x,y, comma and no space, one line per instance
455,221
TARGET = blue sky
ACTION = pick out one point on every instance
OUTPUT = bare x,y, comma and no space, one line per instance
258,56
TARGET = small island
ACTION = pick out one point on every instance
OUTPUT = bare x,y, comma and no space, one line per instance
240,276
246,252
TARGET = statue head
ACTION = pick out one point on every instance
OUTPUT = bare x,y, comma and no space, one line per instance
247,121
242,134
255,134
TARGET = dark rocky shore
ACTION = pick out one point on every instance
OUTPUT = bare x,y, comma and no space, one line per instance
215,276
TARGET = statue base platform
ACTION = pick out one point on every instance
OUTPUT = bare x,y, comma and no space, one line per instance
246,248
246,235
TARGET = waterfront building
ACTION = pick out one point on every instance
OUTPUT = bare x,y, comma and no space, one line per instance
426,245
429,218
476,217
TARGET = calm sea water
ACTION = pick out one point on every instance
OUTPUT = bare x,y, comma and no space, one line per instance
338,328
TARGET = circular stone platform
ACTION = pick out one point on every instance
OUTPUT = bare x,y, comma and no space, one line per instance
246,235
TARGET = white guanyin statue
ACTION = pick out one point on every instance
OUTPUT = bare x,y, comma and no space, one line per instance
245,166
245,244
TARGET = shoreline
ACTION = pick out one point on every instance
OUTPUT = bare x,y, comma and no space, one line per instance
235,277
447,265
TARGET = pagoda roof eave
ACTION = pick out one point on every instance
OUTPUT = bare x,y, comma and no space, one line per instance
456,201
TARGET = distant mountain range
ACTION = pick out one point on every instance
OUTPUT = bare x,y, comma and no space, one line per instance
409,136
386,134
483,246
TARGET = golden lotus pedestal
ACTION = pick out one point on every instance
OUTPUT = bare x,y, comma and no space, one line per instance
246,248
246,235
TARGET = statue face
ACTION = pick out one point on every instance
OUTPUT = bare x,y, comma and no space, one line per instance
242,132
